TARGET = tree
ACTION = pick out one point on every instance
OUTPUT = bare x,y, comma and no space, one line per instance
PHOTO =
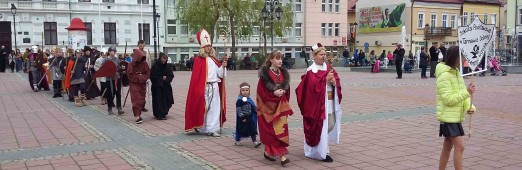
240,16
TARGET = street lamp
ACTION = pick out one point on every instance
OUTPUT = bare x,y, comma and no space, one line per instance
13,11
268,12
155,18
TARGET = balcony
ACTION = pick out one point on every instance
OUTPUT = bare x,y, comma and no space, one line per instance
439,31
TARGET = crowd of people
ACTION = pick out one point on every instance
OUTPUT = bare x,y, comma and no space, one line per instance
74,72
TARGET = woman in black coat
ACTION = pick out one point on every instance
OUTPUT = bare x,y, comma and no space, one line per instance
423,64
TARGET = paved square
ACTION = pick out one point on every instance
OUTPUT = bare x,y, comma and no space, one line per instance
387,124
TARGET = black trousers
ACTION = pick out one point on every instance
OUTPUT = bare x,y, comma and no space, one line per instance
80,87
113,90
57,86
398,67
373,65
423,71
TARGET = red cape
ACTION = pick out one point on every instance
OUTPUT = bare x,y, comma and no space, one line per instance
195,108
67,79
311,90
44,84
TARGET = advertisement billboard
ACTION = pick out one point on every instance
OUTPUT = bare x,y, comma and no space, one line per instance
388,18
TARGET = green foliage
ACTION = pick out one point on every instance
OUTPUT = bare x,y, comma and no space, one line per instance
199,14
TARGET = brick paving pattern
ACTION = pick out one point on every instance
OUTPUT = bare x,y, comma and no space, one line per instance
387,124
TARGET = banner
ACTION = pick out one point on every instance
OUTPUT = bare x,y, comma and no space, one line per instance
474,40
389,18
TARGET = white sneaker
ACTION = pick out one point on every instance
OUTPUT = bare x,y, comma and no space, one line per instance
214,134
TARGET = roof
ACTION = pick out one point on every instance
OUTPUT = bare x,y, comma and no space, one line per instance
351,5
443,1
499,2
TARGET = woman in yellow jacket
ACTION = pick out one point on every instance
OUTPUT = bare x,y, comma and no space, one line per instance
453,101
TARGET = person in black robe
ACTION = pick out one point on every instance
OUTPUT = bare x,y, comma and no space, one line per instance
3,57
93,91
161,76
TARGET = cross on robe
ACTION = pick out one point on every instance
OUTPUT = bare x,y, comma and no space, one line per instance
206,37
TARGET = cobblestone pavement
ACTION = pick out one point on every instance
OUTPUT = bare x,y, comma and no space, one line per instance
387,124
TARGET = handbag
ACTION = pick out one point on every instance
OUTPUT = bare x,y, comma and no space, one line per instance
441,57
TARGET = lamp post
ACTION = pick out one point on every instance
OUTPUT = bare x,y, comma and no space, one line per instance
13,11
155,17
268,12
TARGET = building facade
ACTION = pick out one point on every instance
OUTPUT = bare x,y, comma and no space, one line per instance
325,23
351,24
179,43
108,22
436,21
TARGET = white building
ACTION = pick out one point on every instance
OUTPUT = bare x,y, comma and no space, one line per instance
109,22
179,43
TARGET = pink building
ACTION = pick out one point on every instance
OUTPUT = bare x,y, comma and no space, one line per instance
325,22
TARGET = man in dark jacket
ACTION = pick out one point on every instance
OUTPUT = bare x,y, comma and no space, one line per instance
305,57
346,55
3,58
399,56
434,60
423,64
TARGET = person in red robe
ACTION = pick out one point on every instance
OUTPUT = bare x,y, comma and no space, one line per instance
138,73
318,96
205,110
273,107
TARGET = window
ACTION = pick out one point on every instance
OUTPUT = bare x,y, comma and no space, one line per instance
330,5
337,3
111,1
519,17
89,32
184,28
109,30
433,22
420,24
298,29
444,20
50,33
336,28
465,18
323,5
494,19
171,26
330,29
486,18
144,32
452,22
323,29
472,17
84,0
256,31
143,1
297,6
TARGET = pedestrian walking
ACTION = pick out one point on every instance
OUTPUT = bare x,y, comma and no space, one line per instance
246,116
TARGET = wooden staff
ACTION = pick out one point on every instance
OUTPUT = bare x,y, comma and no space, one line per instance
224,34
470,108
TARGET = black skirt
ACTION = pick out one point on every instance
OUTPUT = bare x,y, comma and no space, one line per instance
451,129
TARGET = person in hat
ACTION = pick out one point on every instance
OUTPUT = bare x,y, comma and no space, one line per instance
141,47
138,73
319,98
161,76
205,111
399,56
113,84
36,59
99,61
75,70
93,91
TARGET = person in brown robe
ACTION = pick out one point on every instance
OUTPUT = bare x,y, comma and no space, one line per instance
138,73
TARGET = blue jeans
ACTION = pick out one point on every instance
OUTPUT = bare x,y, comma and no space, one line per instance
346,62
18,65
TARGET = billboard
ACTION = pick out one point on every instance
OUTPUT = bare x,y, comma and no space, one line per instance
388,18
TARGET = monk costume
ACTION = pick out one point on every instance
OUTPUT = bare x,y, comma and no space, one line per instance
138,73
205,109
161,76
36,70
93,91
319,99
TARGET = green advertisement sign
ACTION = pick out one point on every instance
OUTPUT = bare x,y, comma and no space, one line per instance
389,18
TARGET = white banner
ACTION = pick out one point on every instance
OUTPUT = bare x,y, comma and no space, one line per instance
474,40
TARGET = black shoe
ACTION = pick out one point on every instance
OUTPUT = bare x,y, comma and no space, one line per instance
398,77
144,110
109,111
163,118
328,159
55,95
270,158
285,162
71,100
59,95
139,121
